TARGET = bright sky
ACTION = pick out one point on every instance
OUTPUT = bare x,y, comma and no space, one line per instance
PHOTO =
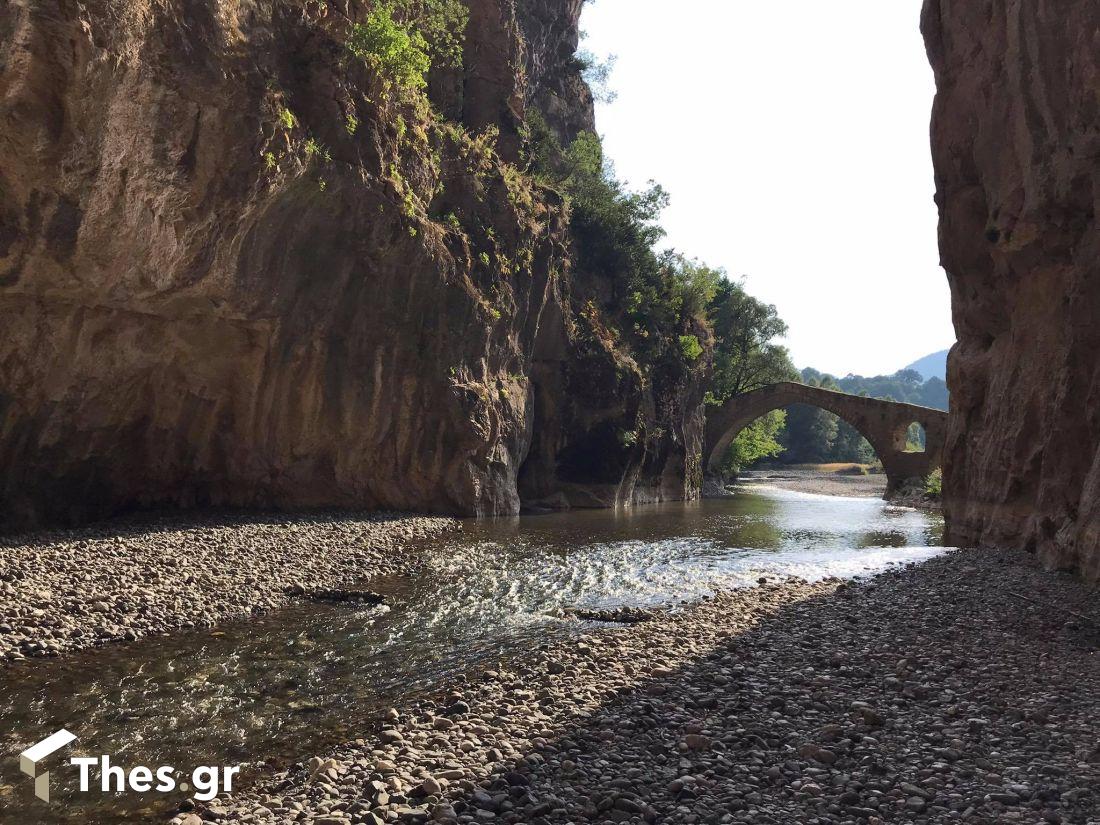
792,136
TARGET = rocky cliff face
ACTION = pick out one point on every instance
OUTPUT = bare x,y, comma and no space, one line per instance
235,271
1016,137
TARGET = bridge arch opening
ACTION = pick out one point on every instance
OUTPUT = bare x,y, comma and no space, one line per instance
817,435
759,440
916,438
795,434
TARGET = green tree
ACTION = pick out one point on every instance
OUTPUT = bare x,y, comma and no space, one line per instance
849,445
597,74
404,39
810,435
616,231
664,301
933,393
694,284
757,441
915,438
746,356
397,50
933,485
904,385
442,24
690,347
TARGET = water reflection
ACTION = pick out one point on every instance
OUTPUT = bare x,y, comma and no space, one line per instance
284,686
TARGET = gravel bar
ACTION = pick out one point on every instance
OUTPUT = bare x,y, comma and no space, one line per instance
817,482
119,581
964,689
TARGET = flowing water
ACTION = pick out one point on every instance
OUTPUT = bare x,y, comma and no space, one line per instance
285,686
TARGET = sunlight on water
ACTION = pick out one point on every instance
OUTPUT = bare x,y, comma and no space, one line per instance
285,686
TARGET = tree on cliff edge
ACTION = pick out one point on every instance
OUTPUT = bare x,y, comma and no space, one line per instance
746,356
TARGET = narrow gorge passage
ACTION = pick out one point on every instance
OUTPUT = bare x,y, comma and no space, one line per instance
549,412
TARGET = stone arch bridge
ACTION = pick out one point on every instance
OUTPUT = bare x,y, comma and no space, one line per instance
883,423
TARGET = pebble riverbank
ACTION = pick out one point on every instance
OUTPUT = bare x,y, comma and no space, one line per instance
965,689
839,484
66,590
817,482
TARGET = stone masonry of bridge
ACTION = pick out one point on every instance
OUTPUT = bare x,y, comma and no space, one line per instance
883,423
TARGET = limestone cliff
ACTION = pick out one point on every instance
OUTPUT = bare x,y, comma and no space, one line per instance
1016,137
234,270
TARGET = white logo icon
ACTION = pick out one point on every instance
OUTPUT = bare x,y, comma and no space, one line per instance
29,759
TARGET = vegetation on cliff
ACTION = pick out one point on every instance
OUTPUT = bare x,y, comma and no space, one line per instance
670,317
393,268
746,353
746,358
404,40
657,300
366,297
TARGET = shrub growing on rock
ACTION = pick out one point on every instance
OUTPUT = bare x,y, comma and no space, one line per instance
399,52
404,40
933,485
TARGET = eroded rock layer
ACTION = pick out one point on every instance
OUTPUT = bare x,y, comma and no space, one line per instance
1016,138
234,271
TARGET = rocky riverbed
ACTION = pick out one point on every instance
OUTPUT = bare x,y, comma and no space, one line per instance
66,590
966,689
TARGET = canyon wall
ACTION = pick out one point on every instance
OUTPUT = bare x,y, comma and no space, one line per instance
1016,142
235,270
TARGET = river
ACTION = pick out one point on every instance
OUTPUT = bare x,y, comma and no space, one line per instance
283,687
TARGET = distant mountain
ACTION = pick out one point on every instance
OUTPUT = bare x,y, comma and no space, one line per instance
931,366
